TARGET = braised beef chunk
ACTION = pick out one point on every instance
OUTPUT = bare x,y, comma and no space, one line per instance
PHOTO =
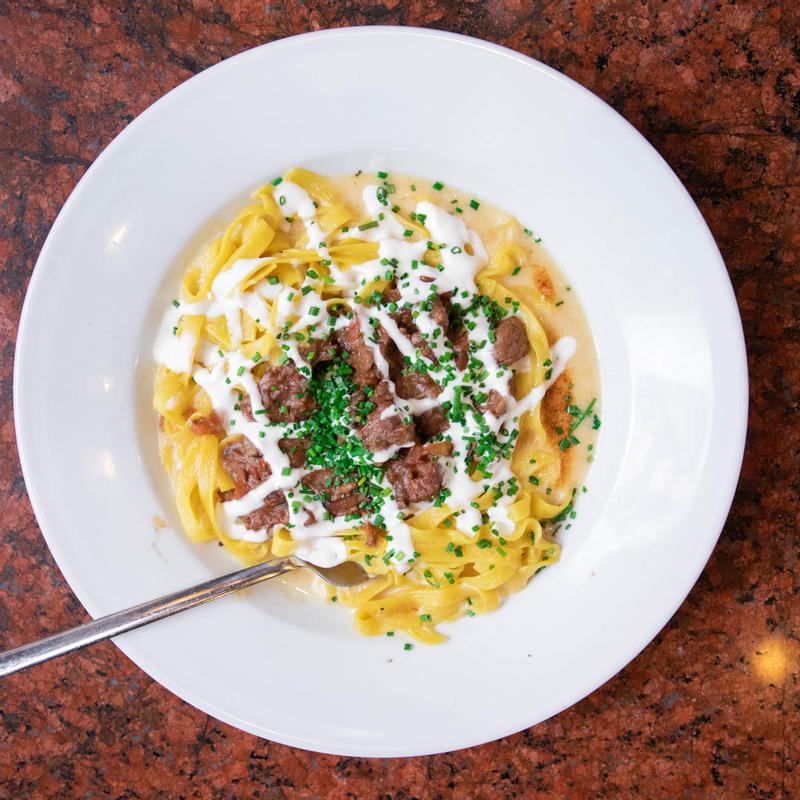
439,313
315,351
431,423
421,343
359,355
245,464
382,396
246,407
511,341
284,394
204,426
380,432
275,511
415,385
391,294
339,494
461,350
495,403
296,449
389,350
372,533
405,321
415,476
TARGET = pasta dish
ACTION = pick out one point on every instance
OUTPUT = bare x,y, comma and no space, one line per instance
367,368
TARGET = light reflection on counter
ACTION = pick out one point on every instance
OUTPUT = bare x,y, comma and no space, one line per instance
774,659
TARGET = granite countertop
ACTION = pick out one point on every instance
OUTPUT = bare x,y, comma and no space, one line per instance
710,708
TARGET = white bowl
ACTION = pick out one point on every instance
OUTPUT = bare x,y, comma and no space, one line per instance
475,116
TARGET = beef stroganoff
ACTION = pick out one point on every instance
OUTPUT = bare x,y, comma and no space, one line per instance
379,368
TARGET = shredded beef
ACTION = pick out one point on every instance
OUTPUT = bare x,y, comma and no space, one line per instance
511,341
246,466
415,476
339,494
284,394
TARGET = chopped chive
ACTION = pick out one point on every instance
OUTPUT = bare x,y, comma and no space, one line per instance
277,181
584,414
438,186
474,204
367,225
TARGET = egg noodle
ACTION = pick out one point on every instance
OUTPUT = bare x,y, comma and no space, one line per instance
251,365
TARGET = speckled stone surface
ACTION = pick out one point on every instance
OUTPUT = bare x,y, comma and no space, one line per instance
710,708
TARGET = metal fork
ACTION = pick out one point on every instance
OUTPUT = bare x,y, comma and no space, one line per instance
346,574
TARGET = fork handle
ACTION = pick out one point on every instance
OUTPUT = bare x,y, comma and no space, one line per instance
127,620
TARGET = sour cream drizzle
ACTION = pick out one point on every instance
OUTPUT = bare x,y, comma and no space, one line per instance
227,375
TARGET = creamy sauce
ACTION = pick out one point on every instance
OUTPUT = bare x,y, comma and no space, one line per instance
227,375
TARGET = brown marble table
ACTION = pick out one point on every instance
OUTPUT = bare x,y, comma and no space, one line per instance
710,708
